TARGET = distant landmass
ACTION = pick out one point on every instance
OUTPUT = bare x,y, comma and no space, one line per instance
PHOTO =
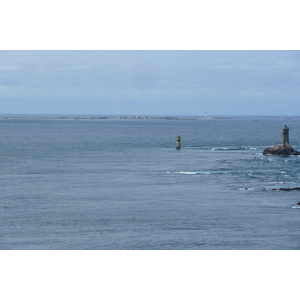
106,117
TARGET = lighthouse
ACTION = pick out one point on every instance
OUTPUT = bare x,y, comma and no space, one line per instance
285,136
178,142
282,149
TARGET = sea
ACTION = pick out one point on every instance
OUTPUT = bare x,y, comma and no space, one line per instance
120,184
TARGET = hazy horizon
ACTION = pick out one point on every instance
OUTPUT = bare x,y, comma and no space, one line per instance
141,115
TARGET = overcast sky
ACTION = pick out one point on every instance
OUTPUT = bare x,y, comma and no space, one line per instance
150,82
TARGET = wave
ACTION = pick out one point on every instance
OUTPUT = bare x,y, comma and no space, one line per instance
234,172
202,172
228,148
224,148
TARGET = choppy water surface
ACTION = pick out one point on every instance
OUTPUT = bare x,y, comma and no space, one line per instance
121,184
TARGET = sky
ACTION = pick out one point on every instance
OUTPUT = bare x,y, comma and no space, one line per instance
141,82
159,59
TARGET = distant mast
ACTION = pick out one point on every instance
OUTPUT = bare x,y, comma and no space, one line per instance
205,116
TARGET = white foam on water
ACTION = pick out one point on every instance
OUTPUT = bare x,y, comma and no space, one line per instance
201,172
187,173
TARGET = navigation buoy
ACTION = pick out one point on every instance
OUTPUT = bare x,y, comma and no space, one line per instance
178,143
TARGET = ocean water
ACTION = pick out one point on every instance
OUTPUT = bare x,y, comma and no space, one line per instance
121,184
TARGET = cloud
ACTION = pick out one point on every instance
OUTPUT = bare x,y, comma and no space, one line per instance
9,68
152,82
73,67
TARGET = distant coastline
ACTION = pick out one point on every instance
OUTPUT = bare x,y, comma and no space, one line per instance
107,117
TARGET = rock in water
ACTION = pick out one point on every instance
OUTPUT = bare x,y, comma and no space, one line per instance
281,150
284,189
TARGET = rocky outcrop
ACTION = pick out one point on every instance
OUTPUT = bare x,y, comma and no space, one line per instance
284,189
281,150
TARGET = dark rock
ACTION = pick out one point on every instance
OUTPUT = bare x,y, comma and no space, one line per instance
287,189
298,203
284,189
281,150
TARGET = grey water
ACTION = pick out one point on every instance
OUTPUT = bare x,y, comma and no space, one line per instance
121,184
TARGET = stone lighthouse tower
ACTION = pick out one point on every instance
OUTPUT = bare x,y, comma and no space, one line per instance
285,136
282,149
